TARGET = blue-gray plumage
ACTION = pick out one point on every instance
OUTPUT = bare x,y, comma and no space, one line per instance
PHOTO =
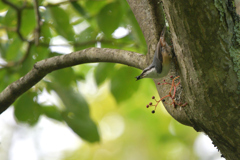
161,60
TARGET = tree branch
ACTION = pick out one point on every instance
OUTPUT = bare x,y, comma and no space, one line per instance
150,17
38,22
42,68
19,17
10,4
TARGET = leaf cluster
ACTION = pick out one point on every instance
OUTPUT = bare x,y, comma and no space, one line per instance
81,24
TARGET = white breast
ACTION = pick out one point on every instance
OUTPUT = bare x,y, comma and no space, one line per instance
152,73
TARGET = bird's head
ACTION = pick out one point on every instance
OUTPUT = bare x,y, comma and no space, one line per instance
149,72
138,77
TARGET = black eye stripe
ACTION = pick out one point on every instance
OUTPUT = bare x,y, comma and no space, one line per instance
148,70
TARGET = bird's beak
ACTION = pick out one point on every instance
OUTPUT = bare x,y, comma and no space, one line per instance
138,77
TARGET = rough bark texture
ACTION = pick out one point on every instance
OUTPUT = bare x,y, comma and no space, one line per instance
203,46
150,18
204,35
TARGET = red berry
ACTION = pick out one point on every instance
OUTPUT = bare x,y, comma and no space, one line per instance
153,97
153,111
171,77
147,106
158,83
164,80
150,103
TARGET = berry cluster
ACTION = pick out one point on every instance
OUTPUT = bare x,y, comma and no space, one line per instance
170,95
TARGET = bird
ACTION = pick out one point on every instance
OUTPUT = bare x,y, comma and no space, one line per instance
161,63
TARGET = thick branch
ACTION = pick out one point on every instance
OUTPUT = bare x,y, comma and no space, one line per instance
150,17
42,68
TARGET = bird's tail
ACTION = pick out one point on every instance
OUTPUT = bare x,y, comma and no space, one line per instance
162,37
163,31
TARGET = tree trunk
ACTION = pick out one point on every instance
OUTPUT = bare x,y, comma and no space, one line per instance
205,40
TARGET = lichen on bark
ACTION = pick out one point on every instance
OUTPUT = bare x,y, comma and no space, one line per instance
228,13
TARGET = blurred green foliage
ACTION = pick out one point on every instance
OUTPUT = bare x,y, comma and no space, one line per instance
83,24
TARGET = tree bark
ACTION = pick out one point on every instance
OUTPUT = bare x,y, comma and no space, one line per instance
205,39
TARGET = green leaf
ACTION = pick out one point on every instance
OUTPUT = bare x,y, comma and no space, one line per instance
63,77
123,83
11,18
28,22
40,2
73,101
26,109
3,76
94,7
109,18
37,53
88,34
14,52
76,113
7,77
82,70
52,112
87,38
45,33
84,127
126,43
80,9
61,23
103,71
136,30
3,7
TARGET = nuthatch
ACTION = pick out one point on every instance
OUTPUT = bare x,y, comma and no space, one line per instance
161,60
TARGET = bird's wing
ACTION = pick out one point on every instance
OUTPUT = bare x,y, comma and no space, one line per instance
158,51
158,59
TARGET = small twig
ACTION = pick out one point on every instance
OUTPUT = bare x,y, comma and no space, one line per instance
19,22
10,4
38,21
19,16
26,54
17,30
